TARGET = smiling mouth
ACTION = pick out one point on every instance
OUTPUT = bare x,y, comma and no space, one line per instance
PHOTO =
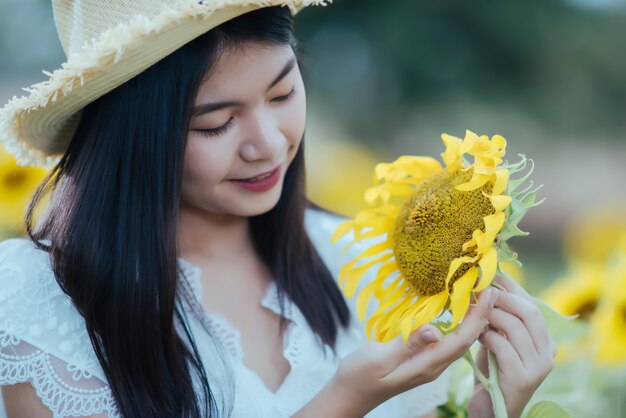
260,176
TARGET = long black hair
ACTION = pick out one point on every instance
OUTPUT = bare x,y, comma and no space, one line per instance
112,226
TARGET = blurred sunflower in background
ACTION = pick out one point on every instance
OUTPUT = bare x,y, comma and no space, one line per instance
608,335
17,185
444,233
594,235
595,288
338,173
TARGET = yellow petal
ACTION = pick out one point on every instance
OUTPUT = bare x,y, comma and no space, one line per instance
369,252
499,202
488,266
502,180
341,230
385,191
493,225
469,141
414,167
383,273
349,278
430,309
454,266
451,156
477,180
498,141
406,325
459,299
382,170
392,296
364,297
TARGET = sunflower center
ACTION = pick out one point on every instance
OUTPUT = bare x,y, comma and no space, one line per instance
15,179
586,309
432,227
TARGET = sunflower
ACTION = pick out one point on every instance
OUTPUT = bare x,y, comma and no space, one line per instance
579,293
443,229
593,236
17,185
328,184
609,321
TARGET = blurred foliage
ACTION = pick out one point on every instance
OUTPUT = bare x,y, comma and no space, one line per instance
560,65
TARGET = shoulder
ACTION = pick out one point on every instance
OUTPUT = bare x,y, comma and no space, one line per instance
43,338
34,308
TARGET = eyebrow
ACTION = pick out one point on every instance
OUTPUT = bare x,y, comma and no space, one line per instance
210,107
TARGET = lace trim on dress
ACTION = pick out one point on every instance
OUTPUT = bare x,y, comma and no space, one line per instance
21,362
43,339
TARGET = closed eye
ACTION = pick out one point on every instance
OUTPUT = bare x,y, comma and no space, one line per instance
215,131
286,97
220,130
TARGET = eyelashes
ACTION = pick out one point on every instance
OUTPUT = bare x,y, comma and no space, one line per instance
220,130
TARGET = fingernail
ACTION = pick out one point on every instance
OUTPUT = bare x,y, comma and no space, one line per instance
429,336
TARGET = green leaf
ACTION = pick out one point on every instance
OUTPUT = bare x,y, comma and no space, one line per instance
510,231
505,253
548,409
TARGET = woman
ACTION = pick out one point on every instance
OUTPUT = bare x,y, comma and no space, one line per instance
179,270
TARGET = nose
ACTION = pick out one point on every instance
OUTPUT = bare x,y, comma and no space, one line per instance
263,139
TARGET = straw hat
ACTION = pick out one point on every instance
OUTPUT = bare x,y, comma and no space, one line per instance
107,42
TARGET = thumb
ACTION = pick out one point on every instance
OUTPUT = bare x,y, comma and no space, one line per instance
418,339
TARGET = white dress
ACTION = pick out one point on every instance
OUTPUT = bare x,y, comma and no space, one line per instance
43,340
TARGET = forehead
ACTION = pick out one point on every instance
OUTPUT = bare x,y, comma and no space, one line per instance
249,67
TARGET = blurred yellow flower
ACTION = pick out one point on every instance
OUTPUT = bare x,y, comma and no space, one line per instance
596,292
338,172
17,185
608,334
445,236
578,294
592,236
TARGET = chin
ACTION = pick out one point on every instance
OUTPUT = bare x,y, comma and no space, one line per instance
255,207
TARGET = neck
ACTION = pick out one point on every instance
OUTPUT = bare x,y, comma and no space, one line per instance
209,236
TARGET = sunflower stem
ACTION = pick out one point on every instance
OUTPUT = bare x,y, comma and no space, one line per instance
490,383
497,398
479,374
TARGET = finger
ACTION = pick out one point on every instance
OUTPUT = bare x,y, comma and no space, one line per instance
504,352
517,334
530,315
430,361
512,286
455,344
418,339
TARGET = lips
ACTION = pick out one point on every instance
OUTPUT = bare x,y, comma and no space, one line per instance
263,183
260,176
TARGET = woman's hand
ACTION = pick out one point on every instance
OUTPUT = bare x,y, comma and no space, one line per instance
379,371
523,347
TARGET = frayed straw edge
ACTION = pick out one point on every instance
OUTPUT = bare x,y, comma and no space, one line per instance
108,48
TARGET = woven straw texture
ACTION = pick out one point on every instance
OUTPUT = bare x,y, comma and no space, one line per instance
106,44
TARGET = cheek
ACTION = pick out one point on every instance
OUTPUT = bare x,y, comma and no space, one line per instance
296,121
205,164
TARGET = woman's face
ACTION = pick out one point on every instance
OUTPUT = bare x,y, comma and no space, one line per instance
249,120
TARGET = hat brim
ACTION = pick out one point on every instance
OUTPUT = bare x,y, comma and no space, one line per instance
38,128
